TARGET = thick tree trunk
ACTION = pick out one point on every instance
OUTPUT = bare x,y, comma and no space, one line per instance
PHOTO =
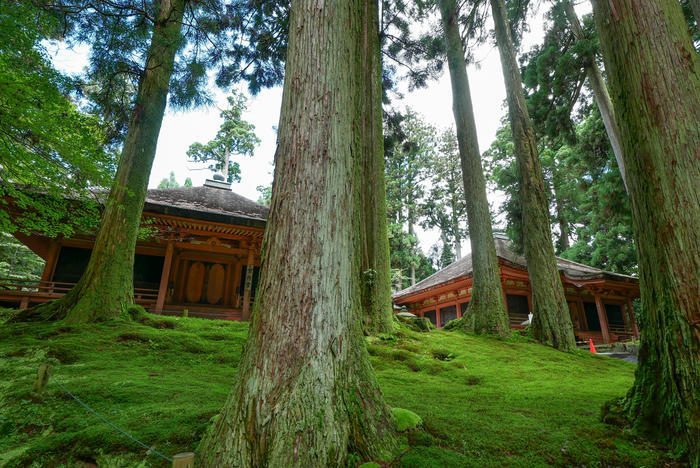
305,394
654,76
487,310
376,269
551,320
600,92
106,288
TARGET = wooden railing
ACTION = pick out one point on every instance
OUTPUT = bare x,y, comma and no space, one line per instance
619,329
51,289
20,287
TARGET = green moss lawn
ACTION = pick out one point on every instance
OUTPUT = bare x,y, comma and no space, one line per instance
482,401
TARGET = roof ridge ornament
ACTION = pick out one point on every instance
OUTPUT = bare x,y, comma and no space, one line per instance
218,181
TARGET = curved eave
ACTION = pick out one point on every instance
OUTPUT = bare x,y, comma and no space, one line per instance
203,215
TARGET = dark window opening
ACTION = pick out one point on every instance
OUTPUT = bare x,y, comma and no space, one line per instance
447,314
591,316
463,308
72,262
518,309
430,315
147,271
614,313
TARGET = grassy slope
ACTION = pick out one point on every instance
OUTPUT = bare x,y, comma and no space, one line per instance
489,403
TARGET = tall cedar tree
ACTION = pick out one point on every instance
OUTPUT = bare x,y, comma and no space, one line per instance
445,206
235,137
551,320
654,76
409,148
305,393
487,310
376,270
106,288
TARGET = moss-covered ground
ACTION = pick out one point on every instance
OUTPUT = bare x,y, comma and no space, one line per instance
482,401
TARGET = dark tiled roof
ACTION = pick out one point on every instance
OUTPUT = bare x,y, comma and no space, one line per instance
463,268
206,203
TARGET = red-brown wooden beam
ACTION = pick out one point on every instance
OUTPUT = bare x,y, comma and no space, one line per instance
603,318
165,275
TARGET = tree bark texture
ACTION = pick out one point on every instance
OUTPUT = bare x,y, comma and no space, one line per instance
305,394
376,267
654,76
551,320
106,288
412,233
455,220
487,310
600,92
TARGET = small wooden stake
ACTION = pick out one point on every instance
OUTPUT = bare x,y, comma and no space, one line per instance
183,460
42,378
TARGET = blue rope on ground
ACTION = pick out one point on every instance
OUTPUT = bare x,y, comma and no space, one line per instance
105,421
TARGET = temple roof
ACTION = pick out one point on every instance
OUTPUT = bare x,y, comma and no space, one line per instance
463,268
206,203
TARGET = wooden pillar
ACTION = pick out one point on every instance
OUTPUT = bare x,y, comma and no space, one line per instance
437,317
603,318
245,315
50,261
582,311
632,318
163,288
24,303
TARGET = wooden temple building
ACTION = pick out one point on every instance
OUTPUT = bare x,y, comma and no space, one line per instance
203,255
600,302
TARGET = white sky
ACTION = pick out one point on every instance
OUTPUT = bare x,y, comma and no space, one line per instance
434,103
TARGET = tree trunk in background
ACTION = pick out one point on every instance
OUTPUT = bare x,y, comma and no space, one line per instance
455,221
654,76
305,393
106,288
564,230
695,7
412,233
600,92
551,320
487,310
563,227
376,269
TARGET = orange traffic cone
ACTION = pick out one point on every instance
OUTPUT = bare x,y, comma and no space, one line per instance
590,345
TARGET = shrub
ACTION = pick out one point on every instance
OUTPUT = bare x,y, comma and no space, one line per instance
405,419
